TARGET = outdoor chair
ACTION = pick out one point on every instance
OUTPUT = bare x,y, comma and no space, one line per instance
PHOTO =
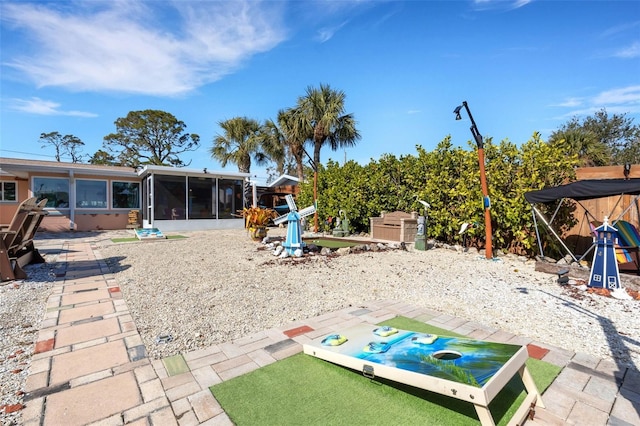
16,242
628,249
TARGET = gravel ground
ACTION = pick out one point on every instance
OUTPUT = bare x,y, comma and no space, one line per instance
22,306
216,286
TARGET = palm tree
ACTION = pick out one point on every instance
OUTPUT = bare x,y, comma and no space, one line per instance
584,144
241,141
322,112
291,137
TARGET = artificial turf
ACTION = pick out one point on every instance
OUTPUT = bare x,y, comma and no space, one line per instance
135,239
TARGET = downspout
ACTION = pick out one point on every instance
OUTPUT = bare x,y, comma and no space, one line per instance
72,201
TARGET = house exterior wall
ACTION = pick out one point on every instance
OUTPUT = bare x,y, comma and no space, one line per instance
8,208
87,197
84,219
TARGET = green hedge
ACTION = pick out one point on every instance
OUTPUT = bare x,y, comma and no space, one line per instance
448,179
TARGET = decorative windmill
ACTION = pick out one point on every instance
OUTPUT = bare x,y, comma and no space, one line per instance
294,234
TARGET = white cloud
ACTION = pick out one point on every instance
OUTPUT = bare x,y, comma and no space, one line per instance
43,107
625,95
621,29
153,48
631,51
325,34
500,4
616,101
570,103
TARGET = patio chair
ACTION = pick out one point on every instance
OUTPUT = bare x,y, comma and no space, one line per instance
16,242
628,249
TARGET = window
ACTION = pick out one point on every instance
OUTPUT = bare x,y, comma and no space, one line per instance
201,203
55,190
125,195
229,198
170,197
91,194
8,191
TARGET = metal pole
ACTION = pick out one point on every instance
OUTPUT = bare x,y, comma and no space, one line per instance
315,200
483,183
487,206
550,228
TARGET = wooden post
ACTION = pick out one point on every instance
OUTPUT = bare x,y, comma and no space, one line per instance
315,199
485,203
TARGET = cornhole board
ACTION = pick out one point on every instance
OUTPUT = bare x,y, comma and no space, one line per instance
470,370
149,233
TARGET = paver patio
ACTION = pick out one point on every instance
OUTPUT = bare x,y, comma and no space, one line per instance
90,365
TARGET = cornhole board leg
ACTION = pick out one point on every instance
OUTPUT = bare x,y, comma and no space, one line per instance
486,419
361,334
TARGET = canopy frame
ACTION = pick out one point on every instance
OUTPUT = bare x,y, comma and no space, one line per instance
580,191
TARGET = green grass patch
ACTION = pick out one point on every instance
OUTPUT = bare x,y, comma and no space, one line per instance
305,390
330,243
124,240
135,239
176,237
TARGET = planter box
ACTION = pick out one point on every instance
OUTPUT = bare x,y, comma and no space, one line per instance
395,226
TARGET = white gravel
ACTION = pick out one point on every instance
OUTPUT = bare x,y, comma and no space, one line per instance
216,286
22,306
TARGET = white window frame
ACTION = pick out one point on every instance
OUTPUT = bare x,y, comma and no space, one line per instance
36,192
112,193
77,184
2,199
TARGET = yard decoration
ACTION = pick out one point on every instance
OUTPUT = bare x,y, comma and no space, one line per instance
256,221
604,268
294,241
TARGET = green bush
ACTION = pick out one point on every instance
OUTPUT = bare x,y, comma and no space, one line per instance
448,179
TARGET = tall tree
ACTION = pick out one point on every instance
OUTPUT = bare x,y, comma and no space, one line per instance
242,140
323,112
150,137
73,148
618,133
575,139
324,117
600,140
104,158
64,145
52,139
290,133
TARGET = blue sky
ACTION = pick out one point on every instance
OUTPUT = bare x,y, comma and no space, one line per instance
76,66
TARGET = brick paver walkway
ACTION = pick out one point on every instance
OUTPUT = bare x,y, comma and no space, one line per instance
90,365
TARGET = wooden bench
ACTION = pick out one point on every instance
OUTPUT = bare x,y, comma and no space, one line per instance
395,226
16,242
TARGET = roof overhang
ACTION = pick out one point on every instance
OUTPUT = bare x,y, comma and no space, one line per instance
285,180
23,168
175,171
